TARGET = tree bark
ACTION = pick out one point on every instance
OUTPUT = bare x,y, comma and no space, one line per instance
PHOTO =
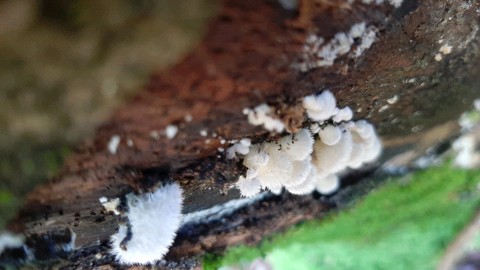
249,56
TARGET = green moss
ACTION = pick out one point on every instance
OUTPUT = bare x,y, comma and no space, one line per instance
402,225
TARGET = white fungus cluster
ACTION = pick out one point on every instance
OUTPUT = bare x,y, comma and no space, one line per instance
317,52
153,221
264,115
311,159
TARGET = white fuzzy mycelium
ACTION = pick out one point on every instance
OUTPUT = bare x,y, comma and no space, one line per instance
312,158
154,219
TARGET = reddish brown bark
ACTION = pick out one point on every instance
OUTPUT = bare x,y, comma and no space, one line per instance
246,59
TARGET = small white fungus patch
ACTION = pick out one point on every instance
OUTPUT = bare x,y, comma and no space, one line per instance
393,100
154,219
445,49
113,144
264,115
110,205
319,53
171,131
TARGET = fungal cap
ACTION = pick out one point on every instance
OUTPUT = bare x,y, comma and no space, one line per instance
307,186
344,114
248,187
329,159
297,146
330,135
277,171
256,157
300,172
364,129
154,219
327,185
321,107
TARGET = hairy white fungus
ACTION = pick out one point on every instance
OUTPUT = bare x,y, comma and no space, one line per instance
256,157
297,146
277,170
113,144
301,164
154,219
171,131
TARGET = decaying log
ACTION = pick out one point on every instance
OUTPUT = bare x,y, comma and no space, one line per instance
251,54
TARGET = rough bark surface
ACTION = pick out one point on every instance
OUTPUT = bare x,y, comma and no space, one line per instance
245,59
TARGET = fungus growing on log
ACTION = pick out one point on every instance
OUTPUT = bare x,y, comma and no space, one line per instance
289,162
152,223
